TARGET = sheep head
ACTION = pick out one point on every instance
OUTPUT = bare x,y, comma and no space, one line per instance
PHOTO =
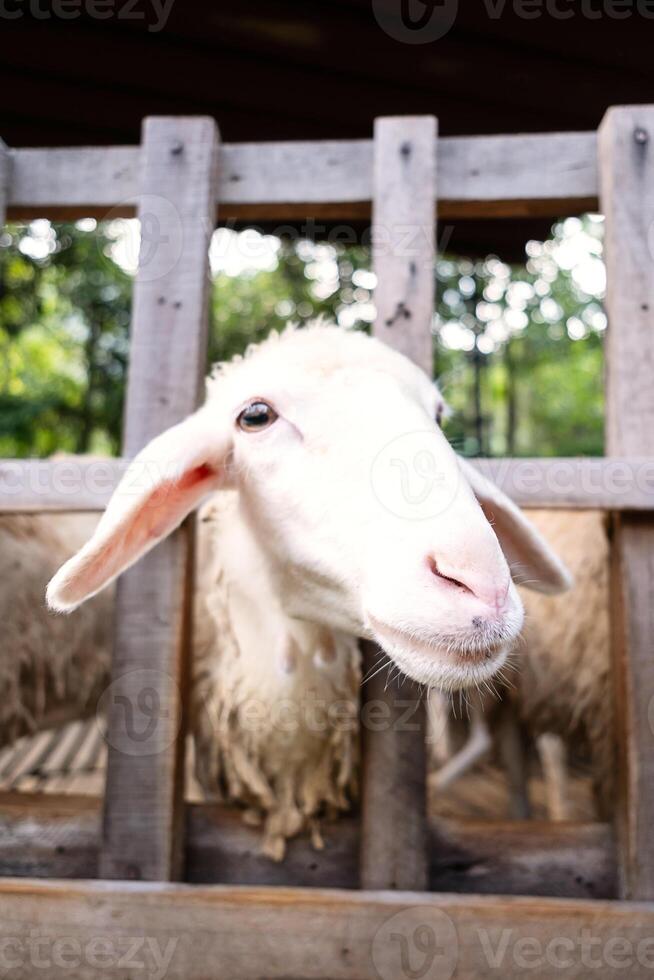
365,517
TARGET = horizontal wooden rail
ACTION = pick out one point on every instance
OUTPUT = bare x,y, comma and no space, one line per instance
244,932
582,483
605,483
70,484
56,836
478,176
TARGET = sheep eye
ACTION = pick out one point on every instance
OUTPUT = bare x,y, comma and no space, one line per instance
256,416
439,415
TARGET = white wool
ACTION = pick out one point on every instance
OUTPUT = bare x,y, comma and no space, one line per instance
275,698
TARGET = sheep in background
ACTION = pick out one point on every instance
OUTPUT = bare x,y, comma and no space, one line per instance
561,693
53,668
317,533
564,685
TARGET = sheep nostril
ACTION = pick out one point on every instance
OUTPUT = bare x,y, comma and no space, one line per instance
447,578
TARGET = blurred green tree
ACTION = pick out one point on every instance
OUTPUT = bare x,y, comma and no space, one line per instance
517,350
64,321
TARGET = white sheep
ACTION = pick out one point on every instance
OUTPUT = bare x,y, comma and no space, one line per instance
311,445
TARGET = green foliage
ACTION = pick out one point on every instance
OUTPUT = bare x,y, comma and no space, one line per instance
64,319
518,351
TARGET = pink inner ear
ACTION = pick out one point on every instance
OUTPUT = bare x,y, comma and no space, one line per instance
158,514
173,496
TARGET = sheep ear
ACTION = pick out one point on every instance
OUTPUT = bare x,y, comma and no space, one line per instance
167,480
532,561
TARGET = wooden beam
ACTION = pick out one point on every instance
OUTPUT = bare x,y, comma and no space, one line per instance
581,483
403,246
244,933
92,179
394,769
610,483
142,825
5,163
58,485
479,176
522,857
46,835
626,155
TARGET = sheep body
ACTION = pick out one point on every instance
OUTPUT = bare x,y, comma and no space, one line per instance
54,667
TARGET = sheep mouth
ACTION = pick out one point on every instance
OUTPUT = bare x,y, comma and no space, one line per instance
449,662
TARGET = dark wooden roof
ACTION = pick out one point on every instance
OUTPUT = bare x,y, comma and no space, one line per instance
289,69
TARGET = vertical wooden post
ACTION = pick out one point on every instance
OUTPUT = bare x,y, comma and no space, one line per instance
394,800
142,832
626,161
4,182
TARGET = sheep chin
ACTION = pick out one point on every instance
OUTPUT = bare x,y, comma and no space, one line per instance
446,663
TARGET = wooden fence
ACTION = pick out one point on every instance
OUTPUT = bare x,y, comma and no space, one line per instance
404,178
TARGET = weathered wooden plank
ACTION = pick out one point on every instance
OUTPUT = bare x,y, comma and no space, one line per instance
404,188
93,179
394,839
142,821
320,172
66,484
58,836
626,156
478,176
5,163
393,779
517,175
188,933
522,857
610,483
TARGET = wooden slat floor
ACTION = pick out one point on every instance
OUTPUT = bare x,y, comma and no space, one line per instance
72,759
68,759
